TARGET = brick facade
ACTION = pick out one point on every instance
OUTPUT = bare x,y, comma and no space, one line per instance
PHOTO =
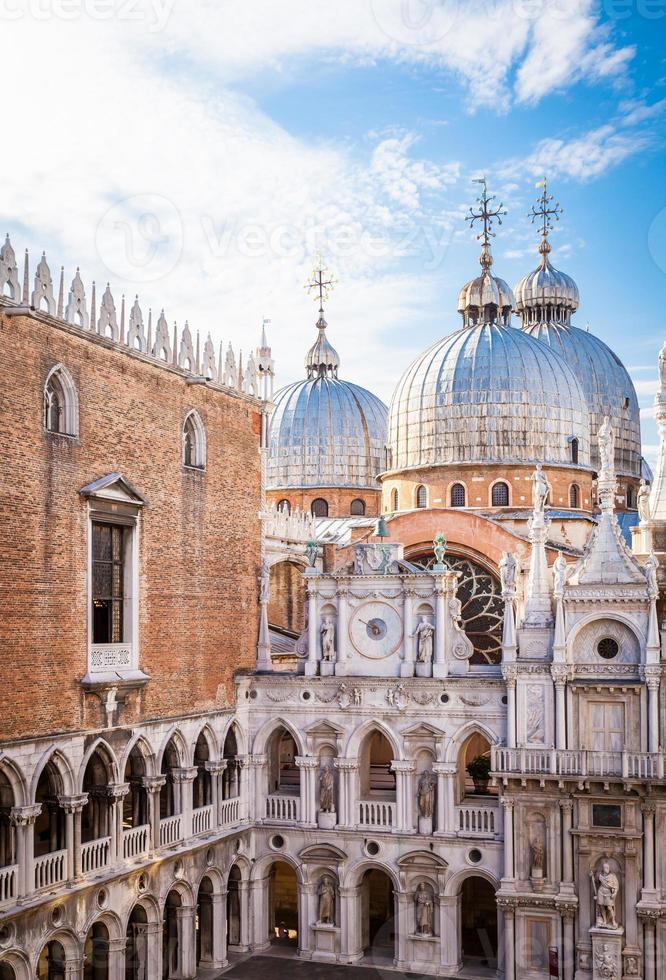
339,499
199,532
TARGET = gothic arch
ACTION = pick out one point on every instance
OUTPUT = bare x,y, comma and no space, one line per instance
174,734
110,919
146,752
62,767
460,737
262,737
244,866
150,906
68,940
595,617
16,780
239,735
69,424
106,753
211,740
182,888
455,881
357,737
217,878
194,441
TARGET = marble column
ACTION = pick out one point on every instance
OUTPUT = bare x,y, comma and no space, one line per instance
650,951
649,807
509,942
559,677
653,675
183,779
116,793
304,901
403,900
341,632
509,674
449,931
186,942
347,769
566,806
404,796
23,818
215,769
260,914
73,807
260,787
446,777
153,785
439,668
244,902
407,665
307,766
116,958
351,940
153,933
509,872
313,633
568,952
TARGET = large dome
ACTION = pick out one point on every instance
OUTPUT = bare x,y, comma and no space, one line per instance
325,432
488,394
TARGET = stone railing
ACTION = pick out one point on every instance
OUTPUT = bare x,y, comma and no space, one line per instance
473,820
136,841
378,814
296,525
51,869
171,830
95,854
282,808
202,820
230,811
8,883
578,763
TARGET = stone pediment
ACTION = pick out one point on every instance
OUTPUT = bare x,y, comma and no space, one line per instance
322,853
114,487
322,728
422,861
423,729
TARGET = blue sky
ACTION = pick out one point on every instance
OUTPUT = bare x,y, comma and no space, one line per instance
198,152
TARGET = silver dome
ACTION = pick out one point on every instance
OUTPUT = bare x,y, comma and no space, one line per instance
546,293
607,387
487,394
486,297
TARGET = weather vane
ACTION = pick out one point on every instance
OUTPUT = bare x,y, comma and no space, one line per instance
485,213
545,210
321,282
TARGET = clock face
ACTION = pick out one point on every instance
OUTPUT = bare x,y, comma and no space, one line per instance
376,630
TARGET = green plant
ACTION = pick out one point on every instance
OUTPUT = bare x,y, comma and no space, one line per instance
479,767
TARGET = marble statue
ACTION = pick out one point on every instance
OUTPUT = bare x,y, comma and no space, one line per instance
311,552
424,633
539,490
537,858
439,548
327,640
358,560
651,565
606,440
357,696
264,583
605,963
425,910
507,567
326,790
559,574
327,901
425,793
643,502
605,888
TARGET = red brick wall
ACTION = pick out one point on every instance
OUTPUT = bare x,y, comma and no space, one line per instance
339,500
200,534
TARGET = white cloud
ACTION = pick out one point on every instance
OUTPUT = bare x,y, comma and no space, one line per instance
582,157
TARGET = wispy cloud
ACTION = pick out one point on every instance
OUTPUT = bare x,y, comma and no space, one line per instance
581,157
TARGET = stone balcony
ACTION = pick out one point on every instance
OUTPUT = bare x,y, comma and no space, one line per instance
577,765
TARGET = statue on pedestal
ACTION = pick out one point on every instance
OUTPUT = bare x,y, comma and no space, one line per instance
559,574
327,901
327,640
425,793
606,439
326,790
425,910
651,566
539,490
507,568
439,548
424,633
264,582
605,888
643,502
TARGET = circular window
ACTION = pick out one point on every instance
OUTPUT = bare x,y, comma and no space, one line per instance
210,856
475,855
277,842
6,935
608,648
142,883
58,915
306,695
443,699
253,695
505,699
372,848
102,897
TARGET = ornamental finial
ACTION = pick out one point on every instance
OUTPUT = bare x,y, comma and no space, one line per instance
546,211
487,215
321,283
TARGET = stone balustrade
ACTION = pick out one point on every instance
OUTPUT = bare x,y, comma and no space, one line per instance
578,763
171,830
282,808
51,869
95,854
475,820
378,814
202,820
230,812
8,883
136,841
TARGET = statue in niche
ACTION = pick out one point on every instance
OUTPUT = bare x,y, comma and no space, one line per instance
536,848
357,696
425,910
507,567
606,441
424,633
605,963
651,565
539,490
425,793
605,888
327,901
327,640
643,502
326,790
535,723
559,574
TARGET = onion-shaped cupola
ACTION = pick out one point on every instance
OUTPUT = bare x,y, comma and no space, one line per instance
545,302
324,431
486,298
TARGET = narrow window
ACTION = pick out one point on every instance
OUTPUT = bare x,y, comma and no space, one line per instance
574,495
630,498
421,496
574,450
194,442
500,495
284,507
357,508
60,403
319,507
394,499
457,495
108,582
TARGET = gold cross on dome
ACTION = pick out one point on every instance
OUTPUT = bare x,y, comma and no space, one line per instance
321,282
486,214
545,209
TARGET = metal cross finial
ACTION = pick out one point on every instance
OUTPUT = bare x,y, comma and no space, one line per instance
321,282
545,210
486,214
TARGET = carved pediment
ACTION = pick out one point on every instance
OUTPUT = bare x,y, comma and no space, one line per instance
114,487
422,861
323,729
322,854
423,729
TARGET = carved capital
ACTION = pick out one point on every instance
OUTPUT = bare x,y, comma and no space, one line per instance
73,804
116,791
346,764
259,760
566,805
649,808
216,768
400,765
153,783
306,762
508,804
24,816
184,774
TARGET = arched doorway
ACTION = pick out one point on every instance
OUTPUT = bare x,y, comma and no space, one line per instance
234,912
136,947
204,923
377,777
283,774
378,926
474,768
283,905
170,936
478,923
96,953
51,964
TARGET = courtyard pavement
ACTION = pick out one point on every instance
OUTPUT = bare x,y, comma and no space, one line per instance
280,967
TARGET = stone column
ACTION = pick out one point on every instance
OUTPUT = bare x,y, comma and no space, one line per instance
260,914
446,775
649,807
73,805
304,900
313,632
23,818
403,794
449,931
407,665
219,910
341,634
347,769
509,942
183,779
153,933
568,950
186,941
216,769
566,807
652,677
651,952
439,667
116,954
116,793
403,900
509,873
351,942
152,786
244,783
559,675
244,902
509,675
258,798
307,766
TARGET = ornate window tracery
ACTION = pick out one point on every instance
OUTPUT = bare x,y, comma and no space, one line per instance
61,410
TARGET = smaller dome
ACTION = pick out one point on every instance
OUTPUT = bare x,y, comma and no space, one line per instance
322,360
486,298
546,294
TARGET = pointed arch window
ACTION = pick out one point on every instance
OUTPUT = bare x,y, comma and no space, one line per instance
500,494
357,508
457,495
194,442
574,495
421,496
61,405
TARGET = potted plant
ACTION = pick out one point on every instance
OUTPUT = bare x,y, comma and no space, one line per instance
479,770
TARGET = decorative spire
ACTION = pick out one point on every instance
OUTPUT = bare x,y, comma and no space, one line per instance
546,212
486,299
486,214
61,293
322,359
